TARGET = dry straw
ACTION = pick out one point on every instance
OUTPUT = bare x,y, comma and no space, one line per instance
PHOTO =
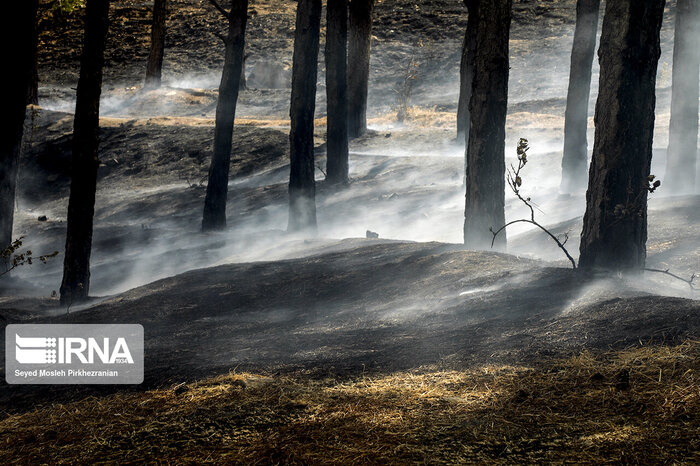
640,405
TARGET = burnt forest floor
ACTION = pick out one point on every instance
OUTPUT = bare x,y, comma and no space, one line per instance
262,347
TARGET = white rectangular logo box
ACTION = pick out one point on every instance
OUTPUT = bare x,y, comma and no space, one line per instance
74,354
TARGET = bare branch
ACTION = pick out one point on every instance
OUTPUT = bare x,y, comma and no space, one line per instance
514,182
690,281
532,222
221,9
566,238
8,269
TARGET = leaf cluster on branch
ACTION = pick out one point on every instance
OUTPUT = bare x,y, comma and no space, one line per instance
515,182
12,257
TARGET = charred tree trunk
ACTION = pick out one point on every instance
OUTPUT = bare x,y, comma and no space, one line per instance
214,217
302,185
155,57
615,224
33,89
574,165
466,71
683,129
485,197
81,205
336,91
18,59
360,42
244,83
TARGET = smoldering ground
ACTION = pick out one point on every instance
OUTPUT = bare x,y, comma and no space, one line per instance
342,305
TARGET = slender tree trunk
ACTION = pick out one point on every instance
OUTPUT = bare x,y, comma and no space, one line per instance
683,129
244,83
466,71
336,90
86,127
302,185
33,89
17,58
155,57
615,224
485,197
217,189
574,165
360,42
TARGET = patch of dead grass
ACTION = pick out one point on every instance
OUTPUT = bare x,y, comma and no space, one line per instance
202,121
419,117
640,405
431,117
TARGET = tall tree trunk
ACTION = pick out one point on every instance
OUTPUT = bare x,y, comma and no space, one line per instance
466,71
33,88
217,189
155,57
574,165
615,224
244,83
85,162
336,90
485,197
18,59
302,185
360,42
683,129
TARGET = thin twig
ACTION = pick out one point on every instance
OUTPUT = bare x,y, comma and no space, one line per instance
690,281
8,270
514,182
532,222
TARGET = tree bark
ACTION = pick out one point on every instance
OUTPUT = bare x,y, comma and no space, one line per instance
574,163
214,217
683,129
466,71
485,197
360,42
337,167
33,89
302,185
18,59
81,205
244,82
615,224
155,57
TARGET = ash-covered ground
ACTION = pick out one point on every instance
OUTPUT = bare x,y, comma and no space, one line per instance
257,299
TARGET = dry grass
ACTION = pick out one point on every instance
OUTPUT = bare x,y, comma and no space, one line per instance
203,121
419,117
640,405
430,117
